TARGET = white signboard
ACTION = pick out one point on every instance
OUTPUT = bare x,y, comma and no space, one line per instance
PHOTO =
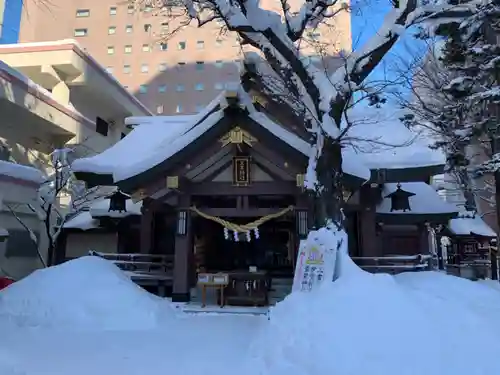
309,268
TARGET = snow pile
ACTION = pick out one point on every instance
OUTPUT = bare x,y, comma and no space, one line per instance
416,323
86,293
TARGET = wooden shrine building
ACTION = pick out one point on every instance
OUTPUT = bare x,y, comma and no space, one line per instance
230,180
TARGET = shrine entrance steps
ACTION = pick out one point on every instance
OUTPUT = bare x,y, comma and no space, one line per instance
196,308
280,288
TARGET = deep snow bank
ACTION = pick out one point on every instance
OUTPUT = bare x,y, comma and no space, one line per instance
85,293
422,323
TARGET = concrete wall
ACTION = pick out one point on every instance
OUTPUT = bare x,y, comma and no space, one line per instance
79,244
19,261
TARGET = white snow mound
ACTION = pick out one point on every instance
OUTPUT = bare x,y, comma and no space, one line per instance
85,293
411,324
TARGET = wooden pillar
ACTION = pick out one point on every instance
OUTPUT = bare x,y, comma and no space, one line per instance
424,244
147,224
60,253
183,252
121,240
370,241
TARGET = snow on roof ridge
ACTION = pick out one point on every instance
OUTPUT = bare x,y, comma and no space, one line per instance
82,50
22,172
161,152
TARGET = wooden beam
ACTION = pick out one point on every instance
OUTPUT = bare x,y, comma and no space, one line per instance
213,171
239,212
256,188
271,169
203,160
294,166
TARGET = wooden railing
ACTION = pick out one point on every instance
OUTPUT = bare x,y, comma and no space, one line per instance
145,269
395,264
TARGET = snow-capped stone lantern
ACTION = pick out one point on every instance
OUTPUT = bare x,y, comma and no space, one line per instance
118,202
400,199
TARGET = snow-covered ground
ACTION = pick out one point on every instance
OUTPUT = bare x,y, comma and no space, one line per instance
85,317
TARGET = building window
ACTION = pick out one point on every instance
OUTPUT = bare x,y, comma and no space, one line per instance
199,107
159,109
147,27
219,63
126,69
199,87
218,86
111,50
82,13
101,126
143,89
144,68
112,11
81,32
200,65
162,88
162,67
200,44
164,27
218,42
163,46
179,88
178,109
129,29
148,8
146,48
181,45
128,49
111,30
130,9
181,63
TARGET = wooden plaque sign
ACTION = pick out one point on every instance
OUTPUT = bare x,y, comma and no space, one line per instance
220,279
213,279
204,278
241,171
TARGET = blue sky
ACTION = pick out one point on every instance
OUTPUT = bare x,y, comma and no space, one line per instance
367,17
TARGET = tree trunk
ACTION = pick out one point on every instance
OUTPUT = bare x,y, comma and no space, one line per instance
48,232
328,200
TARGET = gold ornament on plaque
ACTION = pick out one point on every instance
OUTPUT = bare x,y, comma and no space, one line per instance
238,136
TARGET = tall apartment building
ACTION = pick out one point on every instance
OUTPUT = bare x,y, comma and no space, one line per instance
179,75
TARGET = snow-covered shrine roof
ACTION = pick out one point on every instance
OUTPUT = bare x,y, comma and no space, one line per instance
89,219
471,226
379,137
426,201
156,139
